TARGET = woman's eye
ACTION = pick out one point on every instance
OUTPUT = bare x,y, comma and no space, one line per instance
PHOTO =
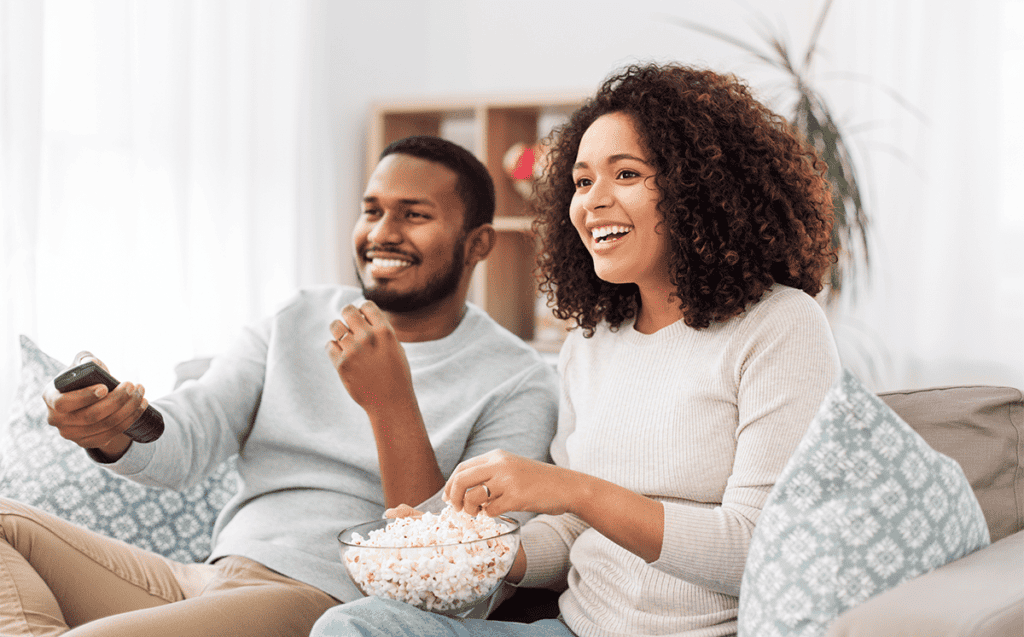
583,182
628,174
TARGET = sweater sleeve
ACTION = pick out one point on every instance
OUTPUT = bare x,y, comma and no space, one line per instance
783,366
547,540
206,421
523,419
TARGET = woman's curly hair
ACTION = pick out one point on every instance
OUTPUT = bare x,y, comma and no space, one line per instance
745,202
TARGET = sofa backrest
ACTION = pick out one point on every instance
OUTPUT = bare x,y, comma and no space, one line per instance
982,428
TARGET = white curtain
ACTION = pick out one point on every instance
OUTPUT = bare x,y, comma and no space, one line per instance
945,301
156,181
168,172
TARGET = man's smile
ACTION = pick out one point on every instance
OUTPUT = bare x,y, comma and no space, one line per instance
386,263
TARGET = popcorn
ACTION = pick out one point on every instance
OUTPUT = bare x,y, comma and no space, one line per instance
441,565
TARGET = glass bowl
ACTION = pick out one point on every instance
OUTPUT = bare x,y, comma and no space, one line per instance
449,579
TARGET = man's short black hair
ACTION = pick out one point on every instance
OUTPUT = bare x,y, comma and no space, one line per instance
474,185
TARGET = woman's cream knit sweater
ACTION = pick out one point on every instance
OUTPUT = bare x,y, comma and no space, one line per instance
701,420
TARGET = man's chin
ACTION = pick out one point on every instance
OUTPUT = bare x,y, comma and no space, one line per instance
387,295
398,302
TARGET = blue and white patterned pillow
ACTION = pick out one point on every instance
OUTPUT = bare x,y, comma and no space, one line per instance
863,504
40,468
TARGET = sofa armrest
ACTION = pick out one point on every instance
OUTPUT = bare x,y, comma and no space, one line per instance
981,595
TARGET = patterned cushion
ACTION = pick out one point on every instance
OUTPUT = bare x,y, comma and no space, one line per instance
863,504
46,471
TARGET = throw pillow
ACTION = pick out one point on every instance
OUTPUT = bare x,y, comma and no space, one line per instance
42,469
863,504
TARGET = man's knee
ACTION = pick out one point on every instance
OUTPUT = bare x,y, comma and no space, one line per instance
13,507
13,514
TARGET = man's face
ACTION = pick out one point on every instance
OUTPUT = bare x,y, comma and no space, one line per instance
408,243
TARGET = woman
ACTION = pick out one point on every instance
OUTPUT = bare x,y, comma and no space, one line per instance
685,232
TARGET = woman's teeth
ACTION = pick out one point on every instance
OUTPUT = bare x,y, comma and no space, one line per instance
607,233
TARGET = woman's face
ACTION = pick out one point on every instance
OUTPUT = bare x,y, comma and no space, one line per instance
614,207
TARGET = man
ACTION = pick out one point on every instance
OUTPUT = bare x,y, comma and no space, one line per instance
426,380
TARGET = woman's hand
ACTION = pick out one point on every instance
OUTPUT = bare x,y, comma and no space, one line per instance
497,482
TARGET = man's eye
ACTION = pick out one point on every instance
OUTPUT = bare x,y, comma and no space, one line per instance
371,212
412,214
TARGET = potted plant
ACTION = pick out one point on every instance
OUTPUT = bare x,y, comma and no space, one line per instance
813,119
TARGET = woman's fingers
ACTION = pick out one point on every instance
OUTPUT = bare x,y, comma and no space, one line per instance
461,477
459,486
478,498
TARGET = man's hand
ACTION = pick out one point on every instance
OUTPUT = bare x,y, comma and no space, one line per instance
372,365
402,511
369,359
94,417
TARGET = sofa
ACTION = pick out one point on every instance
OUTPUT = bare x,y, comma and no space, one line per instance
980,427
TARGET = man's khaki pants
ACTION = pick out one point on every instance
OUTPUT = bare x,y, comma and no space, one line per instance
59,579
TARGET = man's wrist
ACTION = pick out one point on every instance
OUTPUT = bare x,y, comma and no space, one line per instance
394,411
111,452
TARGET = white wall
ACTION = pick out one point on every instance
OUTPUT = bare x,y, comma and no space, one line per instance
396,49
945,326
924,320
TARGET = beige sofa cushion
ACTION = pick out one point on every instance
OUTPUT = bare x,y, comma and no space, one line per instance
982,428
981,595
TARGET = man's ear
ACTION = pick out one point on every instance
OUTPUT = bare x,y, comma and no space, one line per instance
479,243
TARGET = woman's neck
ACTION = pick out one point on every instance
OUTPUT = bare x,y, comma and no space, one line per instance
658,309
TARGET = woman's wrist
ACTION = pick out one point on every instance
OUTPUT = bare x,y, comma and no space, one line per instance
518,570
584,495
633,521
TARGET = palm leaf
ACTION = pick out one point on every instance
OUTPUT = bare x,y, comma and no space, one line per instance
812,119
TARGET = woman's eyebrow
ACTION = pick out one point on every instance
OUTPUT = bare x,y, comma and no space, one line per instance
613,159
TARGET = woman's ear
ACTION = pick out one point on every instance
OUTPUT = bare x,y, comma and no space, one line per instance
479,243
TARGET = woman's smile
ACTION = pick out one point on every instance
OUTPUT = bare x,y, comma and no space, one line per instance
615,205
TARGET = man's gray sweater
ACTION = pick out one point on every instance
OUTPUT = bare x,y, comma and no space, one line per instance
306,454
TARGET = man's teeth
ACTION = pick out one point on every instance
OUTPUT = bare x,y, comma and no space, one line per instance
602,233
389,263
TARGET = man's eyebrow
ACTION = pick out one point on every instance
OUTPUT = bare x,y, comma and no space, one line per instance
613,159
408,201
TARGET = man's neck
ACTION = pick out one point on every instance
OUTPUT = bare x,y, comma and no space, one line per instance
430,323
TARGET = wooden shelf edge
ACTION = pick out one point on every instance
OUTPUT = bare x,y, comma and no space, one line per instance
471,102
513,224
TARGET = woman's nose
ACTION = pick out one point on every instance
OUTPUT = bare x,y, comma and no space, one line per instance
598,196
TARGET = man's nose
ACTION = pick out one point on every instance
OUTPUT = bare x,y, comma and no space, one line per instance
386,230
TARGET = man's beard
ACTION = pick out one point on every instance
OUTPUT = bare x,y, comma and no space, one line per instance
443,285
